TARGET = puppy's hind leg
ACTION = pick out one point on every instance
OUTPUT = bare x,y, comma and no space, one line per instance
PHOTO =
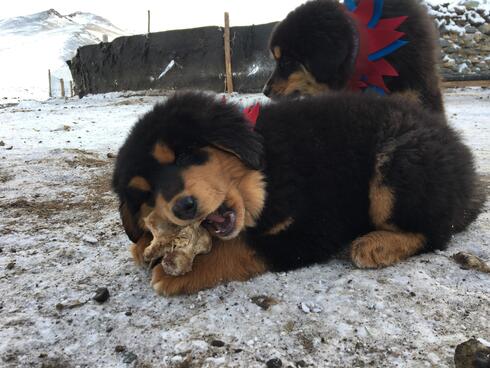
386,245
384,248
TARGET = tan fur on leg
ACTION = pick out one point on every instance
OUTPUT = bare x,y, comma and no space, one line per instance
138,249
384,248
228,261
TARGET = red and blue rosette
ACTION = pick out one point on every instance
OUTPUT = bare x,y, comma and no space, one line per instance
377,39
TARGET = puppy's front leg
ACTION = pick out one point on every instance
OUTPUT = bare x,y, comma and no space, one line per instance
137,249
232,260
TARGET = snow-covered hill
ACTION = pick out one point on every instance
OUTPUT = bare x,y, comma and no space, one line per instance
30,45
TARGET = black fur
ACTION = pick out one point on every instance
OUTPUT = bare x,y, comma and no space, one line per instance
319,157
186,131
320,35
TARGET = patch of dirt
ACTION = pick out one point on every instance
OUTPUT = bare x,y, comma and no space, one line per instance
98,197
85,159
4,177
485,179
138,101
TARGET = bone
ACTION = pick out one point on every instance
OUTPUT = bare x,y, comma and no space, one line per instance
177,246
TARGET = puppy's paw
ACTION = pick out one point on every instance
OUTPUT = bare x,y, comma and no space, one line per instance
384,248
138,249
168,285
365,253
233,261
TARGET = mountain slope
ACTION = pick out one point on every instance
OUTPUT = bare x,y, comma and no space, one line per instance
30,45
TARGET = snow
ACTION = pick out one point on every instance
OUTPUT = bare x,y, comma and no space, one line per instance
167,68
254,69
30,45
61,240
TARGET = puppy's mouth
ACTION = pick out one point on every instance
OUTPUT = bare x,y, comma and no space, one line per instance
222,222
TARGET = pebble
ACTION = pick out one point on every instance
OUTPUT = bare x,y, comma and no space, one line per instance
309,307
264,301
472,354
101,295
90,239
129,357
217,343
119,348
274,363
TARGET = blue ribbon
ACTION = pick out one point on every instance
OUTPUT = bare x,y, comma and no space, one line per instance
350,5
378,10
387,50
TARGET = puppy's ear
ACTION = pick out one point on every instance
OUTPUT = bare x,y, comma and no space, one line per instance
242,142
332,67
130,223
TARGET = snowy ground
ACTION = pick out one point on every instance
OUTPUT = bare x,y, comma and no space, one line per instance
61,240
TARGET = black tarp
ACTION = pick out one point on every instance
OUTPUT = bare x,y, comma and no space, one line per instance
179,59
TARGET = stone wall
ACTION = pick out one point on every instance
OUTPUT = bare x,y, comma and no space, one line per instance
465,40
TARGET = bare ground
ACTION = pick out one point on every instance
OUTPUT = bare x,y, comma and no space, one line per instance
60,240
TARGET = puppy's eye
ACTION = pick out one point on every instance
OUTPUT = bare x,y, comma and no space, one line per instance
288,64
188,158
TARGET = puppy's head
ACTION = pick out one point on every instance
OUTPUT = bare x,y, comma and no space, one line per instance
191,159
314,48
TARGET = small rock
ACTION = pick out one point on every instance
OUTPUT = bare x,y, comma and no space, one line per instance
444,43
101,295
470,261
217,343
129,357
111,155
274,363
485,29
309,307
10,265
472,354
119,348
90,239
264,301
301,363
9,148
2,143
128,313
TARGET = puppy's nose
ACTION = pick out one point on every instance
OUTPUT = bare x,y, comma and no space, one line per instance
185,208
267,89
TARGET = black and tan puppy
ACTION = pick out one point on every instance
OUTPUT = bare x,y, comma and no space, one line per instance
379,177
321,46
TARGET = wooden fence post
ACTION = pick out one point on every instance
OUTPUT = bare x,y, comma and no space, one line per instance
62,84
148,22
49,77
229,75
71,89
